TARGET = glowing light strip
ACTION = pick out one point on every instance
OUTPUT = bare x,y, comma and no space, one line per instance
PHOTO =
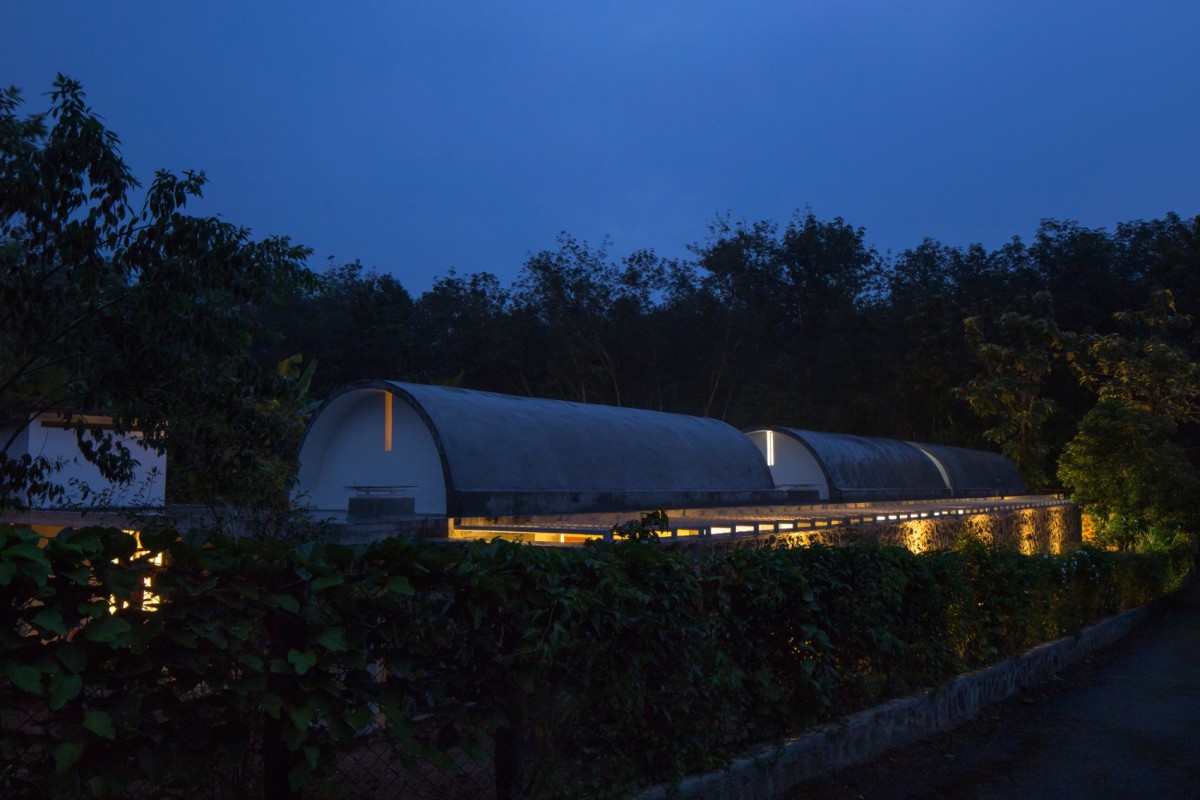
387,422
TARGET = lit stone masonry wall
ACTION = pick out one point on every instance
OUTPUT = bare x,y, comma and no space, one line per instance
1052,529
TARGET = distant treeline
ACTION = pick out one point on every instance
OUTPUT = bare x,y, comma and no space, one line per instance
800,324
1074,354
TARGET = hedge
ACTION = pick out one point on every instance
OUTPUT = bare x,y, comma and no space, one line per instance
258,664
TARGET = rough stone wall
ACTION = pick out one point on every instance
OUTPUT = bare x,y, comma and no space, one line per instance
1053,529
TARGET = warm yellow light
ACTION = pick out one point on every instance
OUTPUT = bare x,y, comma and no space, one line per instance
149,600
387,422
919,535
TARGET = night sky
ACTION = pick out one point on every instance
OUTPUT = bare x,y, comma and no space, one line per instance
423,136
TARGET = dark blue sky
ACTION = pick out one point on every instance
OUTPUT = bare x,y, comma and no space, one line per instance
420,136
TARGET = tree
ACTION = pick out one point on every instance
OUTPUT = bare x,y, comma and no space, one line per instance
146,315
1124,465
357,323
463,331
1016,355
1127,473
584,312
1143,368
1168,251
789,306
1082,269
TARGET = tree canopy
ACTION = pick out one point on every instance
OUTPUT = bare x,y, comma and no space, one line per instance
114,300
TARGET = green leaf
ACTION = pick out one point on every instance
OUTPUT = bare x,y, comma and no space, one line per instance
100,723
79,575
28,679
398,584
106,629
96,609
272,704
298,776
64,689
159,539
27,551
72,655
50,619
333,639
7,570
321,584
302,716
239,629
288,603
303,662
65,757
359,718
293,737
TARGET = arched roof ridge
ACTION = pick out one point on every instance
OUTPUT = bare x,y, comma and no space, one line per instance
868,467
613,447
505,455
975,473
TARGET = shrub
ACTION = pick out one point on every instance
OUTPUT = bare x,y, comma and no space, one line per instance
259,663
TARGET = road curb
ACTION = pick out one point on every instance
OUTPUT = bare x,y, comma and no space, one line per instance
869,734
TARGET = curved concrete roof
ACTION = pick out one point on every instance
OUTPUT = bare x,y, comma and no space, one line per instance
976,473
503,455
867,468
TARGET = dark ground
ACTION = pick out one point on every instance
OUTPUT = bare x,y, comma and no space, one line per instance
1124,723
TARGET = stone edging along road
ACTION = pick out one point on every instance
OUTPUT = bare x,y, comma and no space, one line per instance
863,736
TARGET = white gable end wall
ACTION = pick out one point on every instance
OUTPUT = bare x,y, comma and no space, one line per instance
348,450
83,485
792,465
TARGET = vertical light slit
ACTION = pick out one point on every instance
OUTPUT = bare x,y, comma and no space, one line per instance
387,422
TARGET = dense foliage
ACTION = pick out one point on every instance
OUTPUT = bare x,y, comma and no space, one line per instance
133,310
588,669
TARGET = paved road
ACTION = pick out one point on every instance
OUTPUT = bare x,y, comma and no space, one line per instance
1123,724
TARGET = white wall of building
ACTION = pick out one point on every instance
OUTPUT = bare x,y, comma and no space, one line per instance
349,448
792,465
82,482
